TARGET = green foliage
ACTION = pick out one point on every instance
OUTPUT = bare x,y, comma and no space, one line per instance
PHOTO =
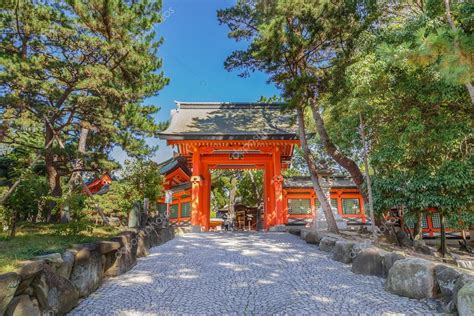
139,179
69,66
248,186
419,121
116,201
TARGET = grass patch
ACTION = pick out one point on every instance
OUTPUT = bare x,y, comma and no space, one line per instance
40,239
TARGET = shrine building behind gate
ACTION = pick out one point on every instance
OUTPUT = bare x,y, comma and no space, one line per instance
215,135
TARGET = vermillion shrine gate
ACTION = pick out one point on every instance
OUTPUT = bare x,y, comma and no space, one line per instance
241,136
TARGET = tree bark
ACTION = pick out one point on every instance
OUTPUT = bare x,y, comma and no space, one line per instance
367,176
76,177
418,230
442,248
52,174
332,226
337,155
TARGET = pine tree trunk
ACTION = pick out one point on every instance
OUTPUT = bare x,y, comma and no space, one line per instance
13,224
337,155
332,226
367,176
52,175
442,248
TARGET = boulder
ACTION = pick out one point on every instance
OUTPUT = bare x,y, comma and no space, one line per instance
125,257
87,273
413,278
421,247
30,268
68,261
369,261
53,259
465,300
315,236
327,243
304,232
143,244
389,259
152,236
463,279
105,247
56,295
342,251
447,278
8,284
23,306
294,230
28,271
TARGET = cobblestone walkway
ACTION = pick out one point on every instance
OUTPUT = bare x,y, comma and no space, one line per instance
238,273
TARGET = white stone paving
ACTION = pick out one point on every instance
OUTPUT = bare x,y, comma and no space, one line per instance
243,273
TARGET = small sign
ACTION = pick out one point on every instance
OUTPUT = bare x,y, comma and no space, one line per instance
168,196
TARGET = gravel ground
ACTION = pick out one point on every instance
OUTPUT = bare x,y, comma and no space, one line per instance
243,273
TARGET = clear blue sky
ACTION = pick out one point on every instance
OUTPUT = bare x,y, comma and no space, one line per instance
194,49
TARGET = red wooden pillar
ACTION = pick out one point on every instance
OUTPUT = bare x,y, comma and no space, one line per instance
196,181
278,186
270,211
205,215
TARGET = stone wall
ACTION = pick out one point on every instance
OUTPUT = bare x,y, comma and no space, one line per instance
53,284
449,288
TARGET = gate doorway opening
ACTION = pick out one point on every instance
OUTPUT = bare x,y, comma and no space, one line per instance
237,199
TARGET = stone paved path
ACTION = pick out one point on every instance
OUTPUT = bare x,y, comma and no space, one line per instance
238,273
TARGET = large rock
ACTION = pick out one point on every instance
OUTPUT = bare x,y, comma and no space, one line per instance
389,259
421,247
465,300
143,244
68,262
369,261
22,306
56,295
304,232
460,283
105,246
152,236
315,236
8,284
53,259
327,243
126,256
447,278
87,273
414,278
167,234
342,251
294,230
28,271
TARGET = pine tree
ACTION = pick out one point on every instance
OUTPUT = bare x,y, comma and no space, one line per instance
296,42
81,68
